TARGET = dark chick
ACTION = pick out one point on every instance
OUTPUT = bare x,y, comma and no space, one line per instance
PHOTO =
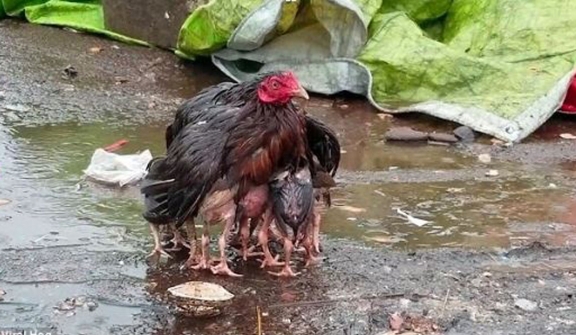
211,165
292,208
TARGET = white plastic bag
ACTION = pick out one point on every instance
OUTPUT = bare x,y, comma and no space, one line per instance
113,169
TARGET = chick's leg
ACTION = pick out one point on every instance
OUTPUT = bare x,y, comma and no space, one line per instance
316,230
245,236
205,259
222,268
178,240
286,270
158,250
263,241
191,232
309,256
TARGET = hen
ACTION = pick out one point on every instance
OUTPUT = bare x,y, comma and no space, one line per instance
213,164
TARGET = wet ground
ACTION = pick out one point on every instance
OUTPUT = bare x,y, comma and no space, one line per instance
491,240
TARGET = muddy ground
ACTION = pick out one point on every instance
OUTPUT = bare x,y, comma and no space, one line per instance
492,241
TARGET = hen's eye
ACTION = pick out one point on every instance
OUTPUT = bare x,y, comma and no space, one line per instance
275,85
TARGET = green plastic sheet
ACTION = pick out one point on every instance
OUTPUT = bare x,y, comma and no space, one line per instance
501,67
85,15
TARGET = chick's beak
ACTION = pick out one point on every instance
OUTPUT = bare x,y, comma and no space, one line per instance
301,92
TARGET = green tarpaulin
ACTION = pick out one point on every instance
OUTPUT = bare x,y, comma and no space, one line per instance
83,15
501,67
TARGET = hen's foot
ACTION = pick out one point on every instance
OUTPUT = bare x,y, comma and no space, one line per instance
312,260
203,264
223,269
159,252
251,253
191,261
178,241
269,261
178,244
286,272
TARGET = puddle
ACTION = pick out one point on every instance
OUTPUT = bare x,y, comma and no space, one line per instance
46,162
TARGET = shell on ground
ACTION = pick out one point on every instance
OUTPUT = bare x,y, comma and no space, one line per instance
203,291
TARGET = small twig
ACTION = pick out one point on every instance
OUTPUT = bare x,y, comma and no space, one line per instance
380,193
445,302
259,320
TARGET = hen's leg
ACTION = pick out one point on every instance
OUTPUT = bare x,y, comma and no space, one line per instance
177,241
191,232
158,250
245,236
205,259
286,270
222,268
263,241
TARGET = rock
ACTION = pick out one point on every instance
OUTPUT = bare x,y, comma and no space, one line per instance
526,305
382,116
500,306
405,134
443,137
17,108
485,158
91,306
70,72
476,282
157,22
404,303
465,134
443,144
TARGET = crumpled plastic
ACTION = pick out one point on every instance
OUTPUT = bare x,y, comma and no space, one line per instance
117,170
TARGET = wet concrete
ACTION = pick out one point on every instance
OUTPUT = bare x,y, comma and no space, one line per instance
62,237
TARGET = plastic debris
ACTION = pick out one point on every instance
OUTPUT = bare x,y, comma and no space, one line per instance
118,170
492,173
568,136
411,219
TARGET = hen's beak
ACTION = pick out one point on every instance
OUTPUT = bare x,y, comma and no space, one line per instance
301,92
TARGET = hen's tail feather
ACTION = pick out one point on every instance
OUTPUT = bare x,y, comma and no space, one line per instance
324,144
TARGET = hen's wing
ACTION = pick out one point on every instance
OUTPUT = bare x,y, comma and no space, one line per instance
324,144
192,166
197,109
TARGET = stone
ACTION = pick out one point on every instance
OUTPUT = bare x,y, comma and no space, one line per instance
157,22
405,134
465,134
526,305
485,158
443,137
